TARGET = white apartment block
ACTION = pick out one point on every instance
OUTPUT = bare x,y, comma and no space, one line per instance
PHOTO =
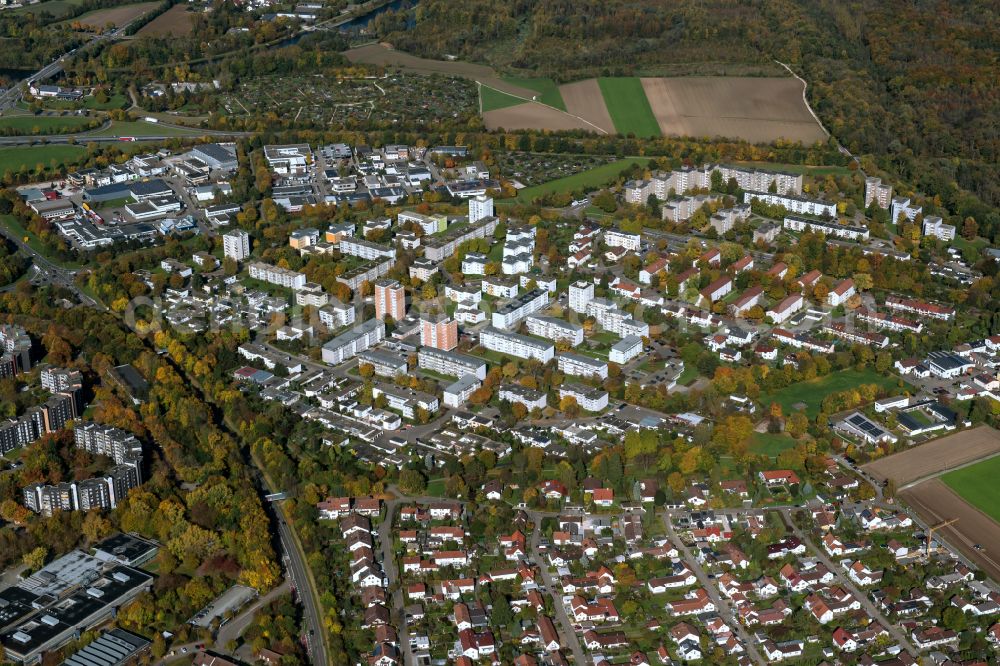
759,179
935,226
530,398
846,231
580,294
786,308
349,343
480,207
619,238
682,208
637,192
311,294
614,320
450,363
513,344
902,206
515,264
275,275
508,315
841,293
499,287
468,294
359,247
793,204
589,399
625,349
236,245
441,247
578,365
727,218
555,329
454,395
877,193
336,314
474,263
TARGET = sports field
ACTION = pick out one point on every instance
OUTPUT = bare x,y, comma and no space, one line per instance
13,159
579,181
629,107
811,393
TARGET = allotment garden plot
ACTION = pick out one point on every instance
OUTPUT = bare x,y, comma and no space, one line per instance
326,100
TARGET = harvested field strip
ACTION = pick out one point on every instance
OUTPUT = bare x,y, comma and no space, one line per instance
629,107
117,16
937,456
935,502
176,21
532,115
754,109
584,99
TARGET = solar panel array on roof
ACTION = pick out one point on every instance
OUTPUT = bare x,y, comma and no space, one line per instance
865,425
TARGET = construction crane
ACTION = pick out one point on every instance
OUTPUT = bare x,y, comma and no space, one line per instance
934,528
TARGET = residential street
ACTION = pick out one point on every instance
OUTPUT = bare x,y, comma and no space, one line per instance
721,604
849,585
563,621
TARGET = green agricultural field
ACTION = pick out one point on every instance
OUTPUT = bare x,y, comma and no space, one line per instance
24,125
28,157
585,179
812,392
547,89
629,107
492,99
977,485
770,444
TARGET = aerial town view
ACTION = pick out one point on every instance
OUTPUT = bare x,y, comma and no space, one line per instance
466,332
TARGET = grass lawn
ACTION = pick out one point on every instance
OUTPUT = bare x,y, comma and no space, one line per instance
804,169
435,487
492,99
595,177
770,444
13,159
689,374
116,101
139,128
23,125
547,88
812,392
629,108
977,485
969,248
